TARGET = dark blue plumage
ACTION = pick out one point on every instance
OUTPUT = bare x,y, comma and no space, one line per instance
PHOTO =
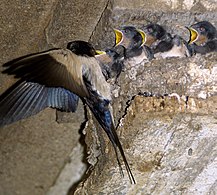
101,111
25,99
62,99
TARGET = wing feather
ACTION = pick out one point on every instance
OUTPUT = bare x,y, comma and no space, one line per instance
53,68
25,99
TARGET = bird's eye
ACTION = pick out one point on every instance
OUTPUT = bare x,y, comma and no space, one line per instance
202,29
126,31
150,30
109,52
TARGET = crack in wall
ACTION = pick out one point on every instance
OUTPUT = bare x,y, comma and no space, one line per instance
49,22
100,18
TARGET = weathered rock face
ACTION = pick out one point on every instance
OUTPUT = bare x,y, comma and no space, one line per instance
170,148
167,5
170,141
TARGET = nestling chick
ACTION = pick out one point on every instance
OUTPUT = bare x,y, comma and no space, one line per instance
203,37
132,40
163,44
111,63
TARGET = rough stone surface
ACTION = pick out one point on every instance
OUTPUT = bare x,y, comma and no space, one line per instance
171,148
170,141
167,5
71,173
33,152
22,30
74,20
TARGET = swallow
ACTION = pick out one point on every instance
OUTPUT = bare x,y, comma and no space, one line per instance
132,41
52,79
111,63
203,37
163,44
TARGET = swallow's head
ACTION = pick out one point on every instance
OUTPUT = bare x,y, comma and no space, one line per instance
128,37
201,32
82,48
107,56
152,33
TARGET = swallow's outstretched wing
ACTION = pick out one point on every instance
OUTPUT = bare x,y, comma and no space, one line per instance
53,68
25,99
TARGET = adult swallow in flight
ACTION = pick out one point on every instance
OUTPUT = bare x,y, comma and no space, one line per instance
203,37
51,79
132,40
163,44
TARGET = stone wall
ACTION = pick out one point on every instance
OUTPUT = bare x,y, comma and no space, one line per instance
170,141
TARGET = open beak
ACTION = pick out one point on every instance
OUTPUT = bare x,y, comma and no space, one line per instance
118,37
103,57
142,33
193,35
99,52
